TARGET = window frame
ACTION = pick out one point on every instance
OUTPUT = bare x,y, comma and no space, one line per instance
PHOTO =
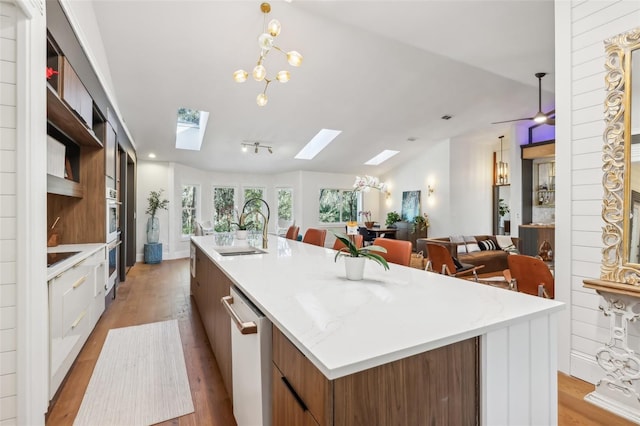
342,220
195,208
213,207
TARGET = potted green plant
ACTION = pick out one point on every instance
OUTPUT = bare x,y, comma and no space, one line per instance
354,257
420,223
242,225
153,223
392,218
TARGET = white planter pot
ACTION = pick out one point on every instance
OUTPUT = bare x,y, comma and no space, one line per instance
354,266
241,234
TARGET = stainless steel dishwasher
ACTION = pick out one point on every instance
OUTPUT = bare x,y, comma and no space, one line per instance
251,360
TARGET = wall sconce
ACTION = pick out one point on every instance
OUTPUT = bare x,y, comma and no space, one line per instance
430,190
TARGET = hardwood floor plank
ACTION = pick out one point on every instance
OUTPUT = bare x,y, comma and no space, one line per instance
161,292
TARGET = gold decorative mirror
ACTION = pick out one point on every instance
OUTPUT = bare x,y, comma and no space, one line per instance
621,164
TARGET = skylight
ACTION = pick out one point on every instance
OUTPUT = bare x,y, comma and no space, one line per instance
382,157
190,127
317,144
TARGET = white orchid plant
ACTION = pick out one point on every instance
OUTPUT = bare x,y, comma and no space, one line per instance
366,182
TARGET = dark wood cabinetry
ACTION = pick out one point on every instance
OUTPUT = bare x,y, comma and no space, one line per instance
75,94
208,287
435,387
408,231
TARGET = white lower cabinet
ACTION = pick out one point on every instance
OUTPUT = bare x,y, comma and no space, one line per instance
76,301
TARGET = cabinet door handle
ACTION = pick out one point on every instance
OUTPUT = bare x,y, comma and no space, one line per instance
80,281
244,327
77,321
294,393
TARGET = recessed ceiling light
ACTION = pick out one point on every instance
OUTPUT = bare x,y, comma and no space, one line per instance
382,157
152,155
317,144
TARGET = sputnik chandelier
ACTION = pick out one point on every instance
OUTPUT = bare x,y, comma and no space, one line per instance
266,43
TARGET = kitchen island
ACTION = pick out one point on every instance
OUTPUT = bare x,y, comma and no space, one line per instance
397,323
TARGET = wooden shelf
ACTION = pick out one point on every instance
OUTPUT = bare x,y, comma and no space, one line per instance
68,122
60,186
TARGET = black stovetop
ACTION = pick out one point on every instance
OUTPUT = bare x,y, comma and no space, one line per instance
53,258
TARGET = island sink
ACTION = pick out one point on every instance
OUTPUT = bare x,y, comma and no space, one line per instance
238,251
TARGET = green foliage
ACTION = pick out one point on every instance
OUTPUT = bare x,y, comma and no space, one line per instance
420,222
251,208
503,208
188,209
285,204
156,203
244,223
337,205
392,218
187,115
352,251
223,203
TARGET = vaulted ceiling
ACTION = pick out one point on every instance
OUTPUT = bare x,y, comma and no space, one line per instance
383,72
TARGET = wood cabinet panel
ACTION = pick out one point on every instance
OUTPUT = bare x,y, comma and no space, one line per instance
76,95
309,383
286,410
210,286
435,387
222,343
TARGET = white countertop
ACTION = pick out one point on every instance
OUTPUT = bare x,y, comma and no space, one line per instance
84,251
348,326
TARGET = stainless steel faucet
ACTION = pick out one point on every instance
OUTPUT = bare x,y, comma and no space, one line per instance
265,226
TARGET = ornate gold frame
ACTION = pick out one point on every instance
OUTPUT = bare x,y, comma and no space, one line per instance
615,161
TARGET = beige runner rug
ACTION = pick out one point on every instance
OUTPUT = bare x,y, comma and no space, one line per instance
140,378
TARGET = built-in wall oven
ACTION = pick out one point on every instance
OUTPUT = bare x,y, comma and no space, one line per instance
113,238
112,257
112,215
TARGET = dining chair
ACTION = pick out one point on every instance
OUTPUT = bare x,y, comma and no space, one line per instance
531,275
439,260
292,232
315,236
367,235
359,240
398,251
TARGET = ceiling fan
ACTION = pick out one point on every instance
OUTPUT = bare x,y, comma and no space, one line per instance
540,117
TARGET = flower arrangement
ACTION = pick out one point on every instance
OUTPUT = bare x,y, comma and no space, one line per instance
350,250
367,182
156,203
365,215
243,224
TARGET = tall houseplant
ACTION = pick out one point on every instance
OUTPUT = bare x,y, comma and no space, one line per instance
354,257
153,223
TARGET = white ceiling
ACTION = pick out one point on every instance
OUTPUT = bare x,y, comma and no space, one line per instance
380,71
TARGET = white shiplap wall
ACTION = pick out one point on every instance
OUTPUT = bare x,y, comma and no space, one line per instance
8,244
591,22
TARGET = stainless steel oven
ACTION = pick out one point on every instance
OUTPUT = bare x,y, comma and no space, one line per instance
112,259
112,215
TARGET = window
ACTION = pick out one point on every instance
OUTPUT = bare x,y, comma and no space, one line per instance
285,213
338,205
190,128
251,193
223,205
189,212
285,204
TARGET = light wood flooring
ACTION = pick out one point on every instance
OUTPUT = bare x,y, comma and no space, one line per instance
161,292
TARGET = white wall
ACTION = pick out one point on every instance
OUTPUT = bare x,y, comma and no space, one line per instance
461,172
23,291
8,243
581,27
